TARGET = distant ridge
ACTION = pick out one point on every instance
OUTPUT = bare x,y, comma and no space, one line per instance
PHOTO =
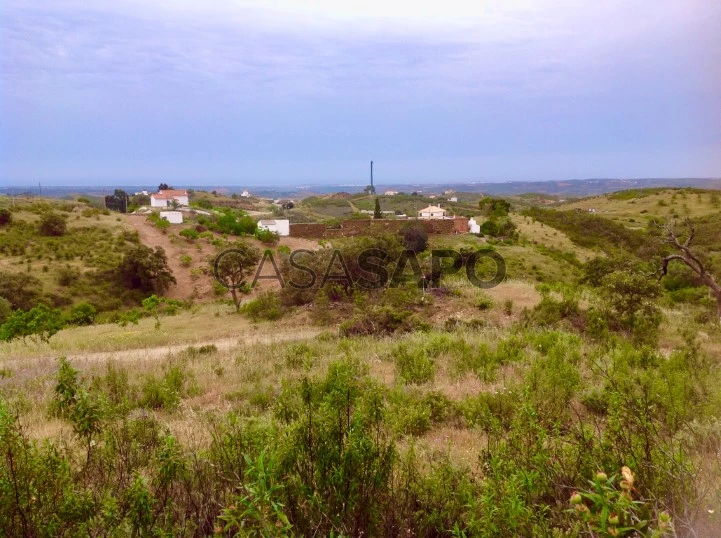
570,188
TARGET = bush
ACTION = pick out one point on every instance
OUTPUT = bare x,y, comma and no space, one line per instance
266,236
6,310
185,260
145,269
413,366
67,276
415,238
484,302
189,233
264,307
82,314
39,323
629,300
382,320
6,217
21,290
52,224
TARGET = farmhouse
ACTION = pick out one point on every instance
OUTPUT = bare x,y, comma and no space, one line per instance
279,226
432,212
165,198
390,193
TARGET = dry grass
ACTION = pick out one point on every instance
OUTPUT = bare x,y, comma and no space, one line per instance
536,232
660,204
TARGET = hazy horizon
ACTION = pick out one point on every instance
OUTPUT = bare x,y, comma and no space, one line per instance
294,92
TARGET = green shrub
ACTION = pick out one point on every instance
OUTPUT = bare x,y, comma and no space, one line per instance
185,260
52,224
484,302
266,236
264,307
39,323
6,217
82,314
413,366
166,393
5,310
190,234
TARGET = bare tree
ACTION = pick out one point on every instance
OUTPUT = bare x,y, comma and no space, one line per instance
686,256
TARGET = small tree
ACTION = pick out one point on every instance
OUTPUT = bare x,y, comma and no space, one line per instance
690,259
377,214
415,238
146,269
39,323
52,224
5,217
232,267
20,289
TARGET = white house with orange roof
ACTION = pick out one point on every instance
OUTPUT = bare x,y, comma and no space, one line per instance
165,198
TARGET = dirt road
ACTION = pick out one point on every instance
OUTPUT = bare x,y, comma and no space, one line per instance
185,288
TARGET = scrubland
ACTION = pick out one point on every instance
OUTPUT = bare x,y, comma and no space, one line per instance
580,397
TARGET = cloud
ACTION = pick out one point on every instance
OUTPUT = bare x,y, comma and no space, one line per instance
454,79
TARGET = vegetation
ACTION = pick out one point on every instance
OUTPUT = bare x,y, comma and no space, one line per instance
145,269
579,397
53,224
234,266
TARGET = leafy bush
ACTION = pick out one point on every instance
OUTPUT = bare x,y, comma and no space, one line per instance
5,310
145,269
629,300
189,233
82,314
67,276
6,217
21,290
413,366
266,236
52,224
266,306
484,302
185,260
415,238
39,323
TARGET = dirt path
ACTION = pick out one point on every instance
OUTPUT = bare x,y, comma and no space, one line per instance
160,352
152,237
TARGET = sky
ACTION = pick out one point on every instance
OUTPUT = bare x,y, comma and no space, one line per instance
287,92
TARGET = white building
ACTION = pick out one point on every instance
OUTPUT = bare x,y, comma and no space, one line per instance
390,193
245,194
473,226
453,199
279,226
166,197
173,217
432,212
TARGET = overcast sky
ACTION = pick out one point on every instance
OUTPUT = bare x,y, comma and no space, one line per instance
298,91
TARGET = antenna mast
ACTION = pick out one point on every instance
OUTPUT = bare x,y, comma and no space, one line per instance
373,189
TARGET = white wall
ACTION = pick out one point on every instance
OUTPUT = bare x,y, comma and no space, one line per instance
158,202
473,226
173,217
279,226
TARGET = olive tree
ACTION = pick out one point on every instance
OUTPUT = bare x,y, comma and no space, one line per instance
232,267
691,259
